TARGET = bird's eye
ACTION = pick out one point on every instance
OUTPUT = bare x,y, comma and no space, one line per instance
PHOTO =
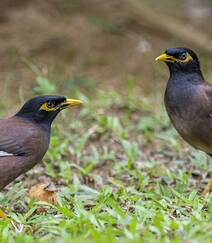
183,56
50,104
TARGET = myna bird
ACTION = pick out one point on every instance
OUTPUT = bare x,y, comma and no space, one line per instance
24,137
188,98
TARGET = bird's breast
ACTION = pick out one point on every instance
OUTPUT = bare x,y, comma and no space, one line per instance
188,101
181,102
184,107
21,148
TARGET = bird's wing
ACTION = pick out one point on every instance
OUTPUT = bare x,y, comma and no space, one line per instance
9,147
16,136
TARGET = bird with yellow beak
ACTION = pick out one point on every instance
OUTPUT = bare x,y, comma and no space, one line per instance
24,137
188,99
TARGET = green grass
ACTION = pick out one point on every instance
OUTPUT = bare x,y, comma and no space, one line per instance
123,175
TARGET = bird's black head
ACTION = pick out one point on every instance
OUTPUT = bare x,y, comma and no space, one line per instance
43,109
180,60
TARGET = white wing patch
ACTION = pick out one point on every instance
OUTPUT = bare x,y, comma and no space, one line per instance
4,154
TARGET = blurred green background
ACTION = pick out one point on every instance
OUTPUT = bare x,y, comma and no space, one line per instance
58,46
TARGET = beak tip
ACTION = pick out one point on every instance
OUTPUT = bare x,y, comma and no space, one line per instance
80,102
73,102
159,58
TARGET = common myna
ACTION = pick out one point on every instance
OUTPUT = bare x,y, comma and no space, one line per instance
188,98
24,137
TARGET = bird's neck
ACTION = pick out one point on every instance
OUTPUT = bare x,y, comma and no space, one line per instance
185,73
182,75
180,94
45,125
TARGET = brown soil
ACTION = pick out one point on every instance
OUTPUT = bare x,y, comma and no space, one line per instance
90,40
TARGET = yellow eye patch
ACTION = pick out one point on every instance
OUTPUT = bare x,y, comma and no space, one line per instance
187,59
46,107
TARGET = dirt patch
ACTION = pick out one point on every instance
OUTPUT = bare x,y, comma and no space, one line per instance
89,40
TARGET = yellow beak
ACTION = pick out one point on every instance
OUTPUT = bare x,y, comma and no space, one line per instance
165,58
71,102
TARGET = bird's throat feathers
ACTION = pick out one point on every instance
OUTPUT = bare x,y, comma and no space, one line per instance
185,73
44,124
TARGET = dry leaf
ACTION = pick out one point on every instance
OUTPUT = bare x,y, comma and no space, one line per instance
43,192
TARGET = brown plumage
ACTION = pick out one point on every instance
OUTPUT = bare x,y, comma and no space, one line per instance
24,138
188,98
